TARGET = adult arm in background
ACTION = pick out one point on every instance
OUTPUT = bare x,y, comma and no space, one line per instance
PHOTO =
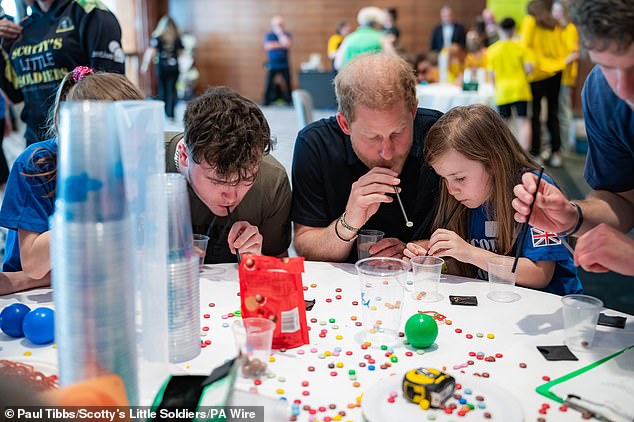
148,56
9,31
19,281
283,41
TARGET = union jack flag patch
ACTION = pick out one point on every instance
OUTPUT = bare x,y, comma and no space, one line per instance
543,238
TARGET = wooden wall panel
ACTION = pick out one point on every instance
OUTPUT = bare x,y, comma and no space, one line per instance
230,33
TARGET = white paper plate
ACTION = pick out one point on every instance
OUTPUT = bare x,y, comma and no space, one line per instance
502,405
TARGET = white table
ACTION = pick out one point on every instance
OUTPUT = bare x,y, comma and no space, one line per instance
443,97
536,319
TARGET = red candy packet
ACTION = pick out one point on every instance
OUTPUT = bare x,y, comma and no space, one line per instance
272,288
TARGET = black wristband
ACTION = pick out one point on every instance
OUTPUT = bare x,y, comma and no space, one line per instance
579,220
339,236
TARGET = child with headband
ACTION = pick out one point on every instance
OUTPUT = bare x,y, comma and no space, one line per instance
30,193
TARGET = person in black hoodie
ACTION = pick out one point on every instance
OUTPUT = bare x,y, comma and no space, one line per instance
58,36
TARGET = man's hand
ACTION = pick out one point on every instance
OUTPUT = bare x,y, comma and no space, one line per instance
390,247
368,193
245,237
605,249
552,210
9,30
445,243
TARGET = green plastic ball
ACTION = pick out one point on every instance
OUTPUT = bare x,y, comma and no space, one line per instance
421,330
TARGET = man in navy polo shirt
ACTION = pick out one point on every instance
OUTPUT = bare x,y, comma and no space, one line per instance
277,44
345,168
602,219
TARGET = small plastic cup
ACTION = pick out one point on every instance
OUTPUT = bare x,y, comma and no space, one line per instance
253,338
426,272
502,280
581,313
365,240
200,246
382,290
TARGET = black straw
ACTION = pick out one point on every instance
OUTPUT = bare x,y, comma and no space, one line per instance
522,235
447,220
237,251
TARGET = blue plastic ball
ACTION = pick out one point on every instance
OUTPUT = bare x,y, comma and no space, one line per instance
39,326
11,319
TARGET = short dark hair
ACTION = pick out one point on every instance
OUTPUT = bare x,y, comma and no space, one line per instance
507,24
604,24
228,132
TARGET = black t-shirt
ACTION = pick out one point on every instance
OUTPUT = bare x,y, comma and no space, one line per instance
71,33
325,167
167,53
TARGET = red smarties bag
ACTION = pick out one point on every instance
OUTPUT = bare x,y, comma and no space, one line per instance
272,288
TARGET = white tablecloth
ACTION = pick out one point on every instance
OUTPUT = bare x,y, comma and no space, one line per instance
443,97
536,319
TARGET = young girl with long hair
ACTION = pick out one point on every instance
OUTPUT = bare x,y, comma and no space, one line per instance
30,194
480,162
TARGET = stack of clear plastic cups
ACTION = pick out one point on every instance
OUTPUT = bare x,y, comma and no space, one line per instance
182,274
141,124
91,251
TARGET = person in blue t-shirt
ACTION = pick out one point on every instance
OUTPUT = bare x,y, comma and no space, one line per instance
277,44
480,161
29,197
603,219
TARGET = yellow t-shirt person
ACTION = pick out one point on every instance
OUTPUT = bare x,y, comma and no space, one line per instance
571,39
506,60
333,44
547,46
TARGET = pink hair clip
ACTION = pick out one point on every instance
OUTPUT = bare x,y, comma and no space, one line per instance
80,73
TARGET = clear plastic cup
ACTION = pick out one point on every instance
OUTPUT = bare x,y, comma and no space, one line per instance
200,246
179,223
90,185
382,289
254,338
365,240
581,313
426,272
502,279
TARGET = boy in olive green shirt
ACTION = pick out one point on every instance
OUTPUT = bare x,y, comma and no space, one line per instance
239,195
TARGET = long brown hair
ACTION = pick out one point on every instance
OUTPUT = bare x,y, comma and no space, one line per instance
541,11
167,30
99,86
480,134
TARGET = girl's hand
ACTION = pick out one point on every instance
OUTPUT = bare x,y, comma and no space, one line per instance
447,243
413,250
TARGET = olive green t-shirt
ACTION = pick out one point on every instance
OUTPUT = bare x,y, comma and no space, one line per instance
267,205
